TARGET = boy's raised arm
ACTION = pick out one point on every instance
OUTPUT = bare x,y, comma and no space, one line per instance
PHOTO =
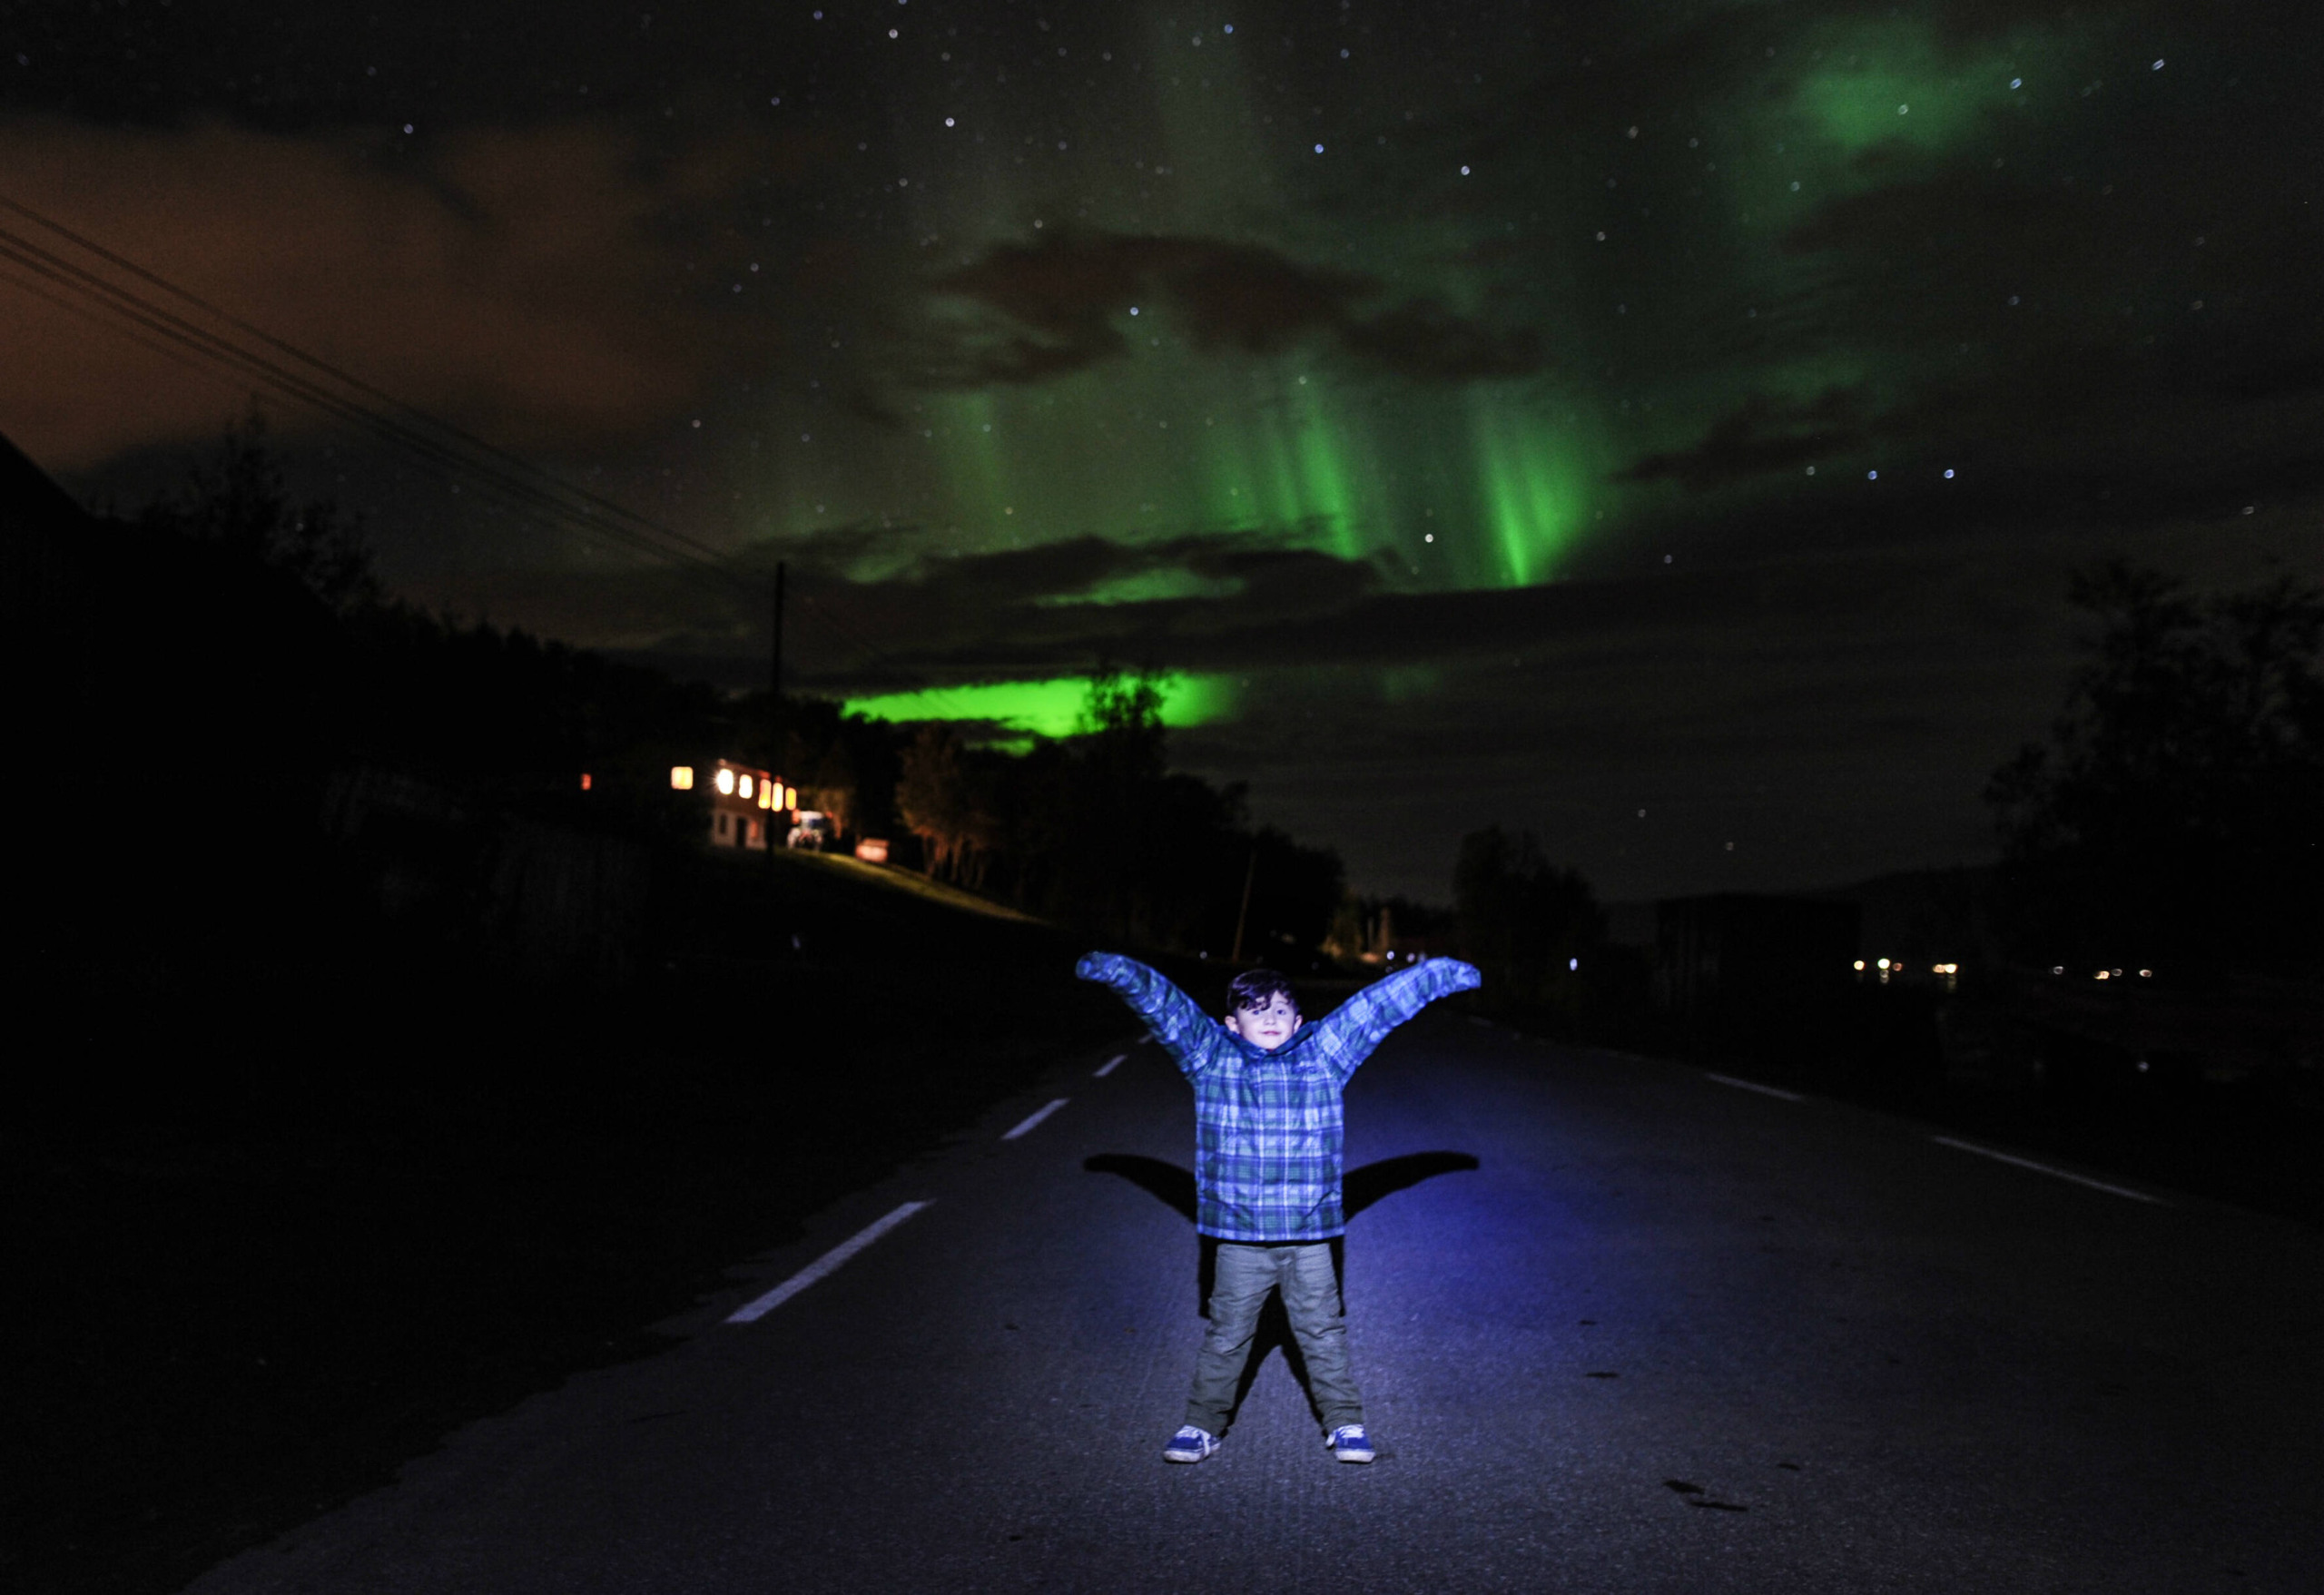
1350,1031
1171,1017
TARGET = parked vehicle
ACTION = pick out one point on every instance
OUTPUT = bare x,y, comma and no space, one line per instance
813,831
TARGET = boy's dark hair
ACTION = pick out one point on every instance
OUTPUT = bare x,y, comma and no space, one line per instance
1258,988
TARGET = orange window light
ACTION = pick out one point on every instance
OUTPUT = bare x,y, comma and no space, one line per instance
681,778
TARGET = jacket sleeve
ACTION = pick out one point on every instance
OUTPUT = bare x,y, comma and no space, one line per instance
1172,1018
1348,1034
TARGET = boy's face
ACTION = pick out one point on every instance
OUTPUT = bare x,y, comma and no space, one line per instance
1268,1027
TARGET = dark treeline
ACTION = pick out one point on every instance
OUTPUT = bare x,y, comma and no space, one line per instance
2174,817
290,750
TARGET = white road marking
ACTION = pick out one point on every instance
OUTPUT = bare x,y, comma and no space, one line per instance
1110,1065
2095,1185
1035,1120
1753,1085
751,1311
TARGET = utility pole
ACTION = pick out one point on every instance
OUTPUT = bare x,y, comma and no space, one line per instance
775,717
1243,913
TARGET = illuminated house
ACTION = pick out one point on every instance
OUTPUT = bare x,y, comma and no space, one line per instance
746,805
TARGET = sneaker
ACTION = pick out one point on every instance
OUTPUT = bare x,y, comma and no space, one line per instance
1191,1445
1348,1443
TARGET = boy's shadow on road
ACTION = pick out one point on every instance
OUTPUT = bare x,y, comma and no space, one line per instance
1359,1189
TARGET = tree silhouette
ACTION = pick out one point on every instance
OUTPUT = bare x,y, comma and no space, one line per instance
1522,918
2175,815
239,504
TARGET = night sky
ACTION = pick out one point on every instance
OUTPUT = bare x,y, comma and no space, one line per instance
1667,426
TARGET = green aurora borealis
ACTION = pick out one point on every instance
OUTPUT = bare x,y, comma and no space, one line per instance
1665,426
1648,259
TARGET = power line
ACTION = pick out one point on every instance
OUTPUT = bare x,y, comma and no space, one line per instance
526,485
502,476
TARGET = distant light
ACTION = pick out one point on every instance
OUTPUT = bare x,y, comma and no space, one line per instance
584,780
1574,963
743,787
1871,476
1133,310
2146,974
789,797
766,793
727,783
681,778
2057,969
1884,963
1465,172
1227,29
2102,974
948,122
1319,149
1860,963
1948,473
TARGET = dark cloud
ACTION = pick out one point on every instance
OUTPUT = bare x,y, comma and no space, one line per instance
1064,299
534,311
1764,435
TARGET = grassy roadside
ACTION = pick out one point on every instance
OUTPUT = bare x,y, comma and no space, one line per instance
268,1250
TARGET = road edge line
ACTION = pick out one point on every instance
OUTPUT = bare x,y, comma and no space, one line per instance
2080,1179
1755,1086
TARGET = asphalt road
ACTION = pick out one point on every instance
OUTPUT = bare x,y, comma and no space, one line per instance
1667,1334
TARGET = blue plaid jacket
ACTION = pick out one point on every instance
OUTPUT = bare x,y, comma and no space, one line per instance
1269,1137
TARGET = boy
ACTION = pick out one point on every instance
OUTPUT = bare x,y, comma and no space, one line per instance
1268,1168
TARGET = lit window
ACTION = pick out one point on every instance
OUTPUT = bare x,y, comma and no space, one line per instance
681,778
726,782
789,797
766,794
743,787
584,780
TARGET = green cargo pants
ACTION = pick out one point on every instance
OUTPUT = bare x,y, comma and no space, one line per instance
1310,1300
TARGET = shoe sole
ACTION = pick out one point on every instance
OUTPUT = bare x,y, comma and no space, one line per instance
1355,1456
1184,1456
